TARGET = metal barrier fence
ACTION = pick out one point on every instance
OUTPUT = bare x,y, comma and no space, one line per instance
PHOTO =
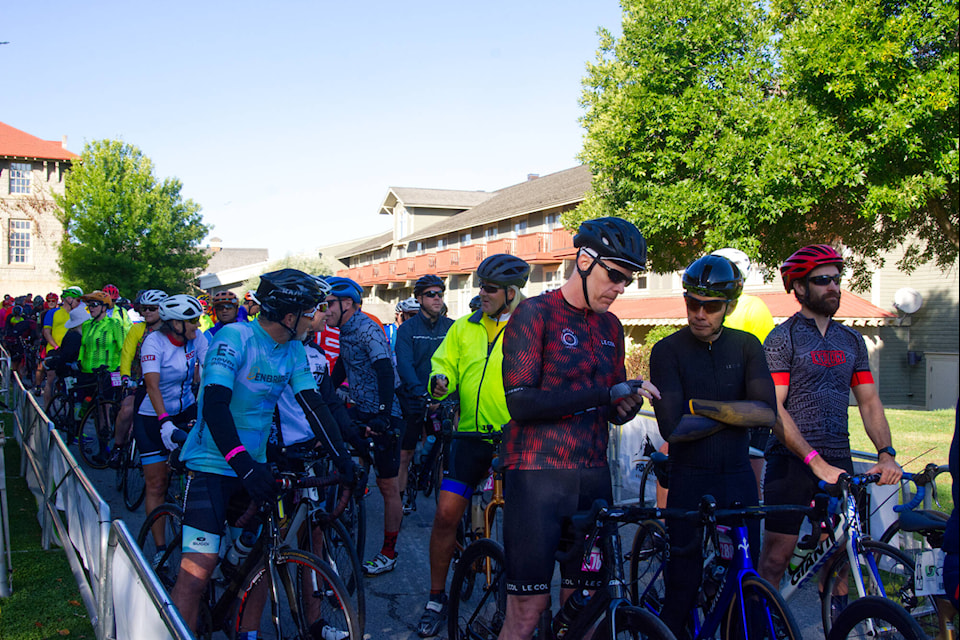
120,591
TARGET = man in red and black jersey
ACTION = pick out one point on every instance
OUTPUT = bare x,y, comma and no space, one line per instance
815,363
564,380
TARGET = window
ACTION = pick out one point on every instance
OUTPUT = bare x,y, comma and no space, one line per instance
419,246
19,242
490,234
441,244
520,227
465,238
20,178
551,221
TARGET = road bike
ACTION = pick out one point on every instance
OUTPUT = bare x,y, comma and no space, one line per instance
874,617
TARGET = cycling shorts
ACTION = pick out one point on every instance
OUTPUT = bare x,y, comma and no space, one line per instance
146,431
468,466
413,410
210,501
789,481
536,518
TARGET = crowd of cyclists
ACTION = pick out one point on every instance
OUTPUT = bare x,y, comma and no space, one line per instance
297,365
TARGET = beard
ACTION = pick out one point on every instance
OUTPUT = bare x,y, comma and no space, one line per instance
825,304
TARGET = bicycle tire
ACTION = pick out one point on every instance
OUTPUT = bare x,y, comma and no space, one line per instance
636,623
134,484
354,517
647,558
645,476
479,616
887,619
774,621
167,566
340,552
310,593
910,542
895,573
95,435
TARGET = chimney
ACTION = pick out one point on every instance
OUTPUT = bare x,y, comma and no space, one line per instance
532,176
215,244
63,142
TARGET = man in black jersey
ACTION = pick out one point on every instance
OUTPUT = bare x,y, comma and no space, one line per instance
707,364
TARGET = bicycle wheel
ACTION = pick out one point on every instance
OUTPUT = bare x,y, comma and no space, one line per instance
480,615
875,617
334,546
636,623
134,485
306,599
96,433
60,412
647,556
165,562
760,615
894,570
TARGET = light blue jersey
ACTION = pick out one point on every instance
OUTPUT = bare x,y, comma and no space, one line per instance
245,359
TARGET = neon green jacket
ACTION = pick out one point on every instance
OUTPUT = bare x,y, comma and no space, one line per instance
462,357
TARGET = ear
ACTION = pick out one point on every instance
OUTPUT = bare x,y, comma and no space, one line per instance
583,260
731,307
511,294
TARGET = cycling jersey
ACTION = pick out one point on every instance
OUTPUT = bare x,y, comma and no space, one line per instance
390,330
417,340
474,366
554,347
819,370
130,354
56,321
256,368
294,427
752,316
101,344
176,365
362,342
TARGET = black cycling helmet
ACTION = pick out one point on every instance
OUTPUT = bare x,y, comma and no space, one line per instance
614,239
287,291
475,303
714,277
425,282
504,270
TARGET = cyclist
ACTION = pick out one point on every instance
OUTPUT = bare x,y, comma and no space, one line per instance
815,363
116,310
147,306
16,337
709,361
226,309
170,358
564,379
247,367
475,304
251,307
62,361
417,339
206,320
366,362
469,361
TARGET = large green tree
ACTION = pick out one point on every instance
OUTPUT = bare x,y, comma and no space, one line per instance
767,126
122,226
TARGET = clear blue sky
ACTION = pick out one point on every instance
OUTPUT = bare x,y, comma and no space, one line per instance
287,121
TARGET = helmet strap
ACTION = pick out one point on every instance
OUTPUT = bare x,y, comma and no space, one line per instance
584,273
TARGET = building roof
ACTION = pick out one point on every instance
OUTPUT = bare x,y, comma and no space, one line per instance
15,143
553,190
375,243
432,198
638,311
226,259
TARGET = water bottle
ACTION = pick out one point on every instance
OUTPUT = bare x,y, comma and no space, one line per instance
418,454
799,554
428,445
238,552
569,612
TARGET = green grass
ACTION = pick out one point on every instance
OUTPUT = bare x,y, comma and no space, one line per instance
920,437
45,602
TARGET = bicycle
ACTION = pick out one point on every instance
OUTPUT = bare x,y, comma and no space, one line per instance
129,474
875,617
306,596
426,469
733,599
95,433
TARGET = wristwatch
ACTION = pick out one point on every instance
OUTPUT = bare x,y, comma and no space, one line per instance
890,450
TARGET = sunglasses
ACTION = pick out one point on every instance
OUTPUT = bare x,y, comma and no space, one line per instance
321,308
192,321
710,306
226,305
432,294
616,276
149,307
490,288
822,281
94,305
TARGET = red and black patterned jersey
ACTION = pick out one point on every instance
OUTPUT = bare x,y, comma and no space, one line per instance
551,346
819,370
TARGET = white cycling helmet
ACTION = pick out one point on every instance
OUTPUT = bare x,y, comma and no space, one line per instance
152,297
410,305
180,307
737,257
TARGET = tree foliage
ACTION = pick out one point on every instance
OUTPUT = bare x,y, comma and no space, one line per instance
122,226
316,266
767,126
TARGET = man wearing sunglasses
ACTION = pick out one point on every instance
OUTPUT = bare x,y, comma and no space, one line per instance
707,363
815,363
226,310
565,381
102,337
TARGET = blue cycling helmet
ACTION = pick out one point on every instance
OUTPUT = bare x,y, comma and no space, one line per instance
345,288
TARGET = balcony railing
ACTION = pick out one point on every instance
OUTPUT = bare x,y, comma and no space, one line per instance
448,261
503,245
471,256
426,263
562,244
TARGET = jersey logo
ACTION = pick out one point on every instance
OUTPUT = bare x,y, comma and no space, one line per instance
607,343
828,358
148,358
569,338
255,375
225,351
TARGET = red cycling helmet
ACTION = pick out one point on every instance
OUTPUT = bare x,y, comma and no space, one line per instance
805,260
52,297
112,291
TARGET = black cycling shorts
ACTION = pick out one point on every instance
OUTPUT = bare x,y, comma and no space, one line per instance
146,431
413,410
468,466
536,520
788,481
211,500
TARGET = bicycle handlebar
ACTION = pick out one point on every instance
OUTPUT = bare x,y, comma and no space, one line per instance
921,479
845,481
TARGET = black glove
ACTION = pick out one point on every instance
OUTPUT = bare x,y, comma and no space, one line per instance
353,474
379,423
256,476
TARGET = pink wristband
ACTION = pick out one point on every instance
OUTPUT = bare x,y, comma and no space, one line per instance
163,417
810,456
235,452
